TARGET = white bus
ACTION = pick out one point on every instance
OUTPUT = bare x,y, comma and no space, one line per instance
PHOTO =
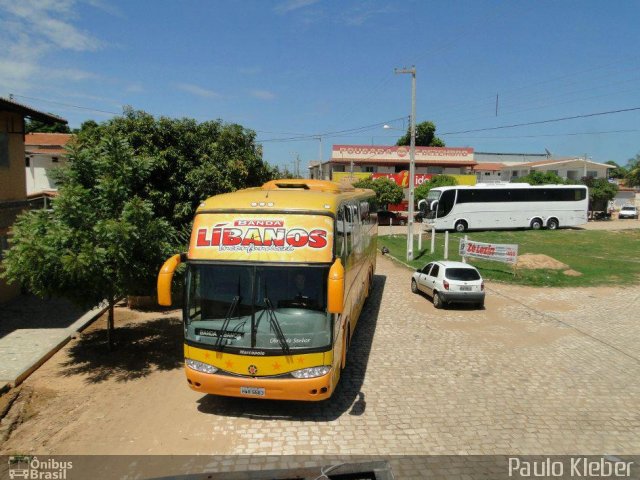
499,206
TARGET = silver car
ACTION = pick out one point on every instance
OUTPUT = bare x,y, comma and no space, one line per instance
449,282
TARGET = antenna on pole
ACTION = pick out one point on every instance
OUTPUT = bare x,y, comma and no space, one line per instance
496,104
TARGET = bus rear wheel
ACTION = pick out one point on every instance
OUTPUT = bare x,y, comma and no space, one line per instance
552,224
536,224
460,226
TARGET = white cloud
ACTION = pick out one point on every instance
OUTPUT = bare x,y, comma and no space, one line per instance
50,21
263,94
196,90
31,30
360,14
134,88
291,5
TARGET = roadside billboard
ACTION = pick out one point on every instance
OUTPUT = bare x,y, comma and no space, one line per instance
496,252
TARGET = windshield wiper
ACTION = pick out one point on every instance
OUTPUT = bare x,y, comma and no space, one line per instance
273,320
227,319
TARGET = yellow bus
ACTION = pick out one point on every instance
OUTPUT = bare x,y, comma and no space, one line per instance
275,282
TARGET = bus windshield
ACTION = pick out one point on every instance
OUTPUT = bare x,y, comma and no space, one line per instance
251,306
433,195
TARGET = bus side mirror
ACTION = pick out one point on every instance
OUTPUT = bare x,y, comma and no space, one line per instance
335,290
165,280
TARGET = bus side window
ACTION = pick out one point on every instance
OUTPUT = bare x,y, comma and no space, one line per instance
340,236
445,204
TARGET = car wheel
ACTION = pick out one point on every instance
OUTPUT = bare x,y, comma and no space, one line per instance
414,286
460,226
536,224
437,301
552,224
401,223
480,305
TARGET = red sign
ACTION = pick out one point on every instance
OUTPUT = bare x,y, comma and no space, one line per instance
402,178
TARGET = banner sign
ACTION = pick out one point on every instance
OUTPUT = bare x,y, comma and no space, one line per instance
351,177
402,178
262,237
489,251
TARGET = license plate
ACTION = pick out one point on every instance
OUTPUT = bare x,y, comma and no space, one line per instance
252,391
465,288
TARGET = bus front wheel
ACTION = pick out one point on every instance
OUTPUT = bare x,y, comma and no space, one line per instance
536,224
460,226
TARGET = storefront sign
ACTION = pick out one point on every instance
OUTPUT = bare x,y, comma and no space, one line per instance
402,178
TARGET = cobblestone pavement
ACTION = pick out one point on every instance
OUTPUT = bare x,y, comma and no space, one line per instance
538,371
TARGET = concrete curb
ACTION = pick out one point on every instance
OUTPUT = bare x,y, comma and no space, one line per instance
83,322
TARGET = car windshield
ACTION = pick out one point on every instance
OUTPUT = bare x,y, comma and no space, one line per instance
463,274
628,208
233,306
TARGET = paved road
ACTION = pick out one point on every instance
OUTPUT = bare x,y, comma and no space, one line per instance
539,371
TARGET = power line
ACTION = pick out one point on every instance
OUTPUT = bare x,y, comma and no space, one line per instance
66,104
554,134
543,121
329,134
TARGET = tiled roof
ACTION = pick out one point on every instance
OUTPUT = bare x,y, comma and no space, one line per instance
488,166
42,139
45,151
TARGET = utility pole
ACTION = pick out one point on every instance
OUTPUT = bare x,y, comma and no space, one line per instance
412,158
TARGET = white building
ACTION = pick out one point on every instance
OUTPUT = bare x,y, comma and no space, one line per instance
568,168
43,153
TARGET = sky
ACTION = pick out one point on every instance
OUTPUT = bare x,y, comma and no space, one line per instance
309,74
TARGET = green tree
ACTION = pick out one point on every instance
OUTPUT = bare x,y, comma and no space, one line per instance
601,191
633,171
101,240
422,191
537,177
425,136
188,161
33,126
617,171
387,191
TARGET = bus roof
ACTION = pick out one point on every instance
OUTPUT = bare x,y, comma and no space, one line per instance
287,194
503,185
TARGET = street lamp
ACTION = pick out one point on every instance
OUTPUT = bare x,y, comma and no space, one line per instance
412,158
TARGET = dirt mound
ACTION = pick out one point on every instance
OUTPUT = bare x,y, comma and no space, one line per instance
535,260
572,273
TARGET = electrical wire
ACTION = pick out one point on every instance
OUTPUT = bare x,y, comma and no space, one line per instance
562,119
66,104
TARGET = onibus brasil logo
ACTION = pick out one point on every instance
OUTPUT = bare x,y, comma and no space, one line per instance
25,466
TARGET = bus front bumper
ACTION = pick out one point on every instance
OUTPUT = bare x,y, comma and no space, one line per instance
306,389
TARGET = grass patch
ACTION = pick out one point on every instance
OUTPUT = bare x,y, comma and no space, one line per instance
602,257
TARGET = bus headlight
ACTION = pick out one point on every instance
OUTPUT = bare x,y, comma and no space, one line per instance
200,366
311,372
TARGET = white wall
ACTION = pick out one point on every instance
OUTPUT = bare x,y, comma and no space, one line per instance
38,173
